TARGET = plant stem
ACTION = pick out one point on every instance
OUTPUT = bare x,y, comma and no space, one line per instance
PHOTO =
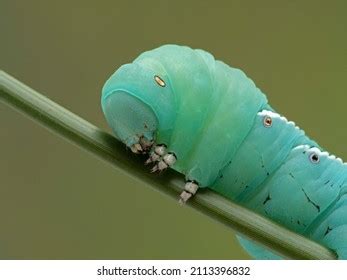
103,145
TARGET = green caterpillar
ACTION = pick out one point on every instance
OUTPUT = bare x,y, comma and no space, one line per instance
211,123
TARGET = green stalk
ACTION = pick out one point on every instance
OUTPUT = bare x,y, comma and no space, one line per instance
104,146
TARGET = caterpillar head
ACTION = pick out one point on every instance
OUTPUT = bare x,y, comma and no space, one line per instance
137,101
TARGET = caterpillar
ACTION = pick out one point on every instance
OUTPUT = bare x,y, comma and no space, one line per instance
209,121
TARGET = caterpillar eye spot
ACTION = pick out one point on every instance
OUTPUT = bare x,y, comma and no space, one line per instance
267,121
159,81
314,158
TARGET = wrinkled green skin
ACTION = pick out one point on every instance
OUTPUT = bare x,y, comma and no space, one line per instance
212,117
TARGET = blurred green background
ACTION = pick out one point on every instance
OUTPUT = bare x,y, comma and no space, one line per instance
59,202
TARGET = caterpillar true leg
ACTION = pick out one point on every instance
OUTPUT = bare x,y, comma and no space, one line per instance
190,189
156,153
145,143
167,161
142,145
136,148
